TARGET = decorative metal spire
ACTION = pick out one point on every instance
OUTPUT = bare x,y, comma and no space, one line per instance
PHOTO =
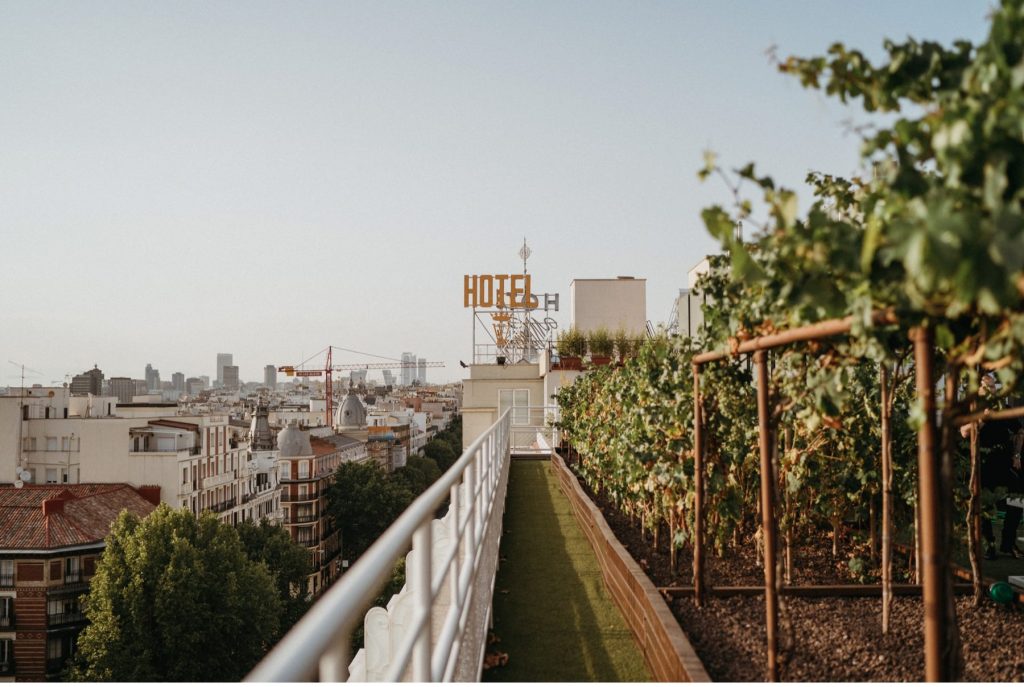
525,253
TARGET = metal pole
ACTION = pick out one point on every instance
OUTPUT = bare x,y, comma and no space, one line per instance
420,587
698,492
811,332
933,560
333,663
771,601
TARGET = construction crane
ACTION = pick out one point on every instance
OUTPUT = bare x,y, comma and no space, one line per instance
329,369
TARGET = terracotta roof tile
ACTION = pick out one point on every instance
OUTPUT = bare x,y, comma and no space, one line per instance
85,518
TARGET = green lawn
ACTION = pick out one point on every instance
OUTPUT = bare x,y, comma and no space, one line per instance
552,614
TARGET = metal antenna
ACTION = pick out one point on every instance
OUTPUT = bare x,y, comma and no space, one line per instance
21,413
525,253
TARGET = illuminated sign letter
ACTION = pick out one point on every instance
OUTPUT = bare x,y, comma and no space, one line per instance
469,289
516,295
530,301
501,278
485,294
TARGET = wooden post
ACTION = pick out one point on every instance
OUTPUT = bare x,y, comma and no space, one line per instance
698,492
771,601
887,509
974,514
939,654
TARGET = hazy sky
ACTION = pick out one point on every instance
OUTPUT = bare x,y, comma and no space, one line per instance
186,178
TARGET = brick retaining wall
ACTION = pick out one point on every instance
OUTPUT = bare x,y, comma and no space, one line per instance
666,649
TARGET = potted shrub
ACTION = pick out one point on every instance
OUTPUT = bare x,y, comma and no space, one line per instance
601,346
571,347
624,345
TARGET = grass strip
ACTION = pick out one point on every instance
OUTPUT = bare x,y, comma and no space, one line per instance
552,614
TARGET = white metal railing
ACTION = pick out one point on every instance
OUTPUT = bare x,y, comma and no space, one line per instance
532,429
443,635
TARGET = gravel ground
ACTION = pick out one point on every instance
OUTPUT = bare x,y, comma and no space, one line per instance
835,639
840,640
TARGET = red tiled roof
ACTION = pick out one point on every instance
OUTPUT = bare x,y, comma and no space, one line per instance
321,447
87,513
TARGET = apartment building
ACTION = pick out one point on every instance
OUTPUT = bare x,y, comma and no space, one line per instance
306,467
199,462
260,496
50,539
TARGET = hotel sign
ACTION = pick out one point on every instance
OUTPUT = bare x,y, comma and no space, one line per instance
498,291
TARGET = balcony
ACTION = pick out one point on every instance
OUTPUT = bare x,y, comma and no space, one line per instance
299,519
72,577
69,618
307,541
220,480
7,667
221,507
6,580
7,621
299,498
79,586
299,480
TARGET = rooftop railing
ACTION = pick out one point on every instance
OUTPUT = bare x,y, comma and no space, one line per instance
533,430
441,617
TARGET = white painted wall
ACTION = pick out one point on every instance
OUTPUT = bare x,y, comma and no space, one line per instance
609,303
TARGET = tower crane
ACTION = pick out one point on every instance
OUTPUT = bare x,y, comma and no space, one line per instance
330,368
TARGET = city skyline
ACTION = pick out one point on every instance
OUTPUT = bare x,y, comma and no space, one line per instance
269,179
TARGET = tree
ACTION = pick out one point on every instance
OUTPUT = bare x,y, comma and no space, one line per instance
287,561
175,598
441,452
364,501
418,473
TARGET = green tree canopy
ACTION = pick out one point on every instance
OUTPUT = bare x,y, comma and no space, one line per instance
441,452
287,561
364,501
418,473
175,598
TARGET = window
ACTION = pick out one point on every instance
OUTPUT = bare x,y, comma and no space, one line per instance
71,570
51,443
58,609
6,610
284,472
518,400
54,649
184,475
303,469
6,573
51,475
65,443
6,654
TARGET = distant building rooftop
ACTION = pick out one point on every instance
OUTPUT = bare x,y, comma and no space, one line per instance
330,444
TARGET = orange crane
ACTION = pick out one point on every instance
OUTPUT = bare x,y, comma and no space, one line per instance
329,368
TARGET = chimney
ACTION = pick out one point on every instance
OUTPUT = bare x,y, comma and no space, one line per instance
150,492
52,506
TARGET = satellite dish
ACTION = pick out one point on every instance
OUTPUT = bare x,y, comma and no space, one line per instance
18,484
25,475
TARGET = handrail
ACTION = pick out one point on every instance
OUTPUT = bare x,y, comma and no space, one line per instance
317,647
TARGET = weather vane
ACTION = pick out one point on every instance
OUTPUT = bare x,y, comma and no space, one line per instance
525,253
